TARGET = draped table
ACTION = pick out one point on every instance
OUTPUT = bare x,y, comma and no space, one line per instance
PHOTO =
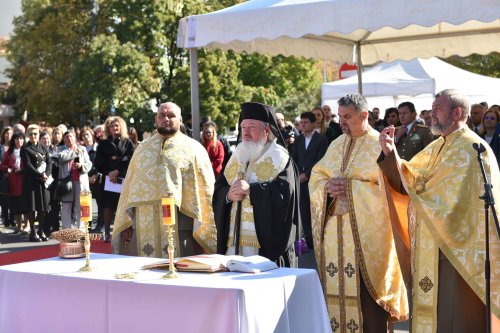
52,296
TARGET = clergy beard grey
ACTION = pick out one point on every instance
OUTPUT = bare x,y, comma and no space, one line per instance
250,151
437,128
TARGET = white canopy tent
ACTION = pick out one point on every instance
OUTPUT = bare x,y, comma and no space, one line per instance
416,80
342,30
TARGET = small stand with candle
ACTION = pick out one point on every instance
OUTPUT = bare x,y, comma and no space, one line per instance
86,217
168,211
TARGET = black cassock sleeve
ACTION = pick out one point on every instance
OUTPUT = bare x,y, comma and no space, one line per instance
275,210
222,211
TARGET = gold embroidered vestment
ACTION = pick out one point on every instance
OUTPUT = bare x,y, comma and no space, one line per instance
178,165
358,238
444,183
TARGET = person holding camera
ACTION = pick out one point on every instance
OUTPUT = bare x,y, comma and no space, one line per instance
74,165
288,132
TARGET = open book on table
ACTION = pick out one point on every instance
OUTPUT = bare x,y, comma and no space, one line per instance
217,262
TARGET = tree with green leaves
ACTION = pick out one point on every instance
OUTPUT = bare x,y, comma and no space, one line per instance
79,59
47,40
488,65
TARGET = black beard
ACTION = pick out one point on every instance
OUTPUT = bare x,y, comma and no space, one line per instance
166,131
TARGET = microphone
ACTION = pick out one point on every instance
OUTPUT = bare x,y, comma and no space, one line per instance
479,147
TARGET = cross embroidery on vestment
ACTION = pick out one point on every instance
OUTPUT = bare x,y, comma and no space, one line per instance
331,269
352,326
334,324
349,270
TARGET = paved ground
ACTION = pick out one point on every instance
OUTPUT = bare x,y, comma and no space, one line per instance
12,242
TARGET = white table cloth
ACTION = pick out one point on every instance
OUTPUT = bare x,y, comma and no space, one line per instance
52,296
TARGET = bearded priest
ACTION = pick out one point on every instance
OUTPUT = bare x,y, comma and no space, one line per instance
172,163
438,218
353,241
255,200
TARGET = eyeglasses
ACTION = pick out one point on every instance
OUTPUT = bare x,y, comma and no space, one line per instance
490,118
33,133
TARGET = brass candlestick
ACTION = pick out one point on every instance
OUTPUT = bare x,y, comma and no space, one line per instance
172,272
86,245
86,217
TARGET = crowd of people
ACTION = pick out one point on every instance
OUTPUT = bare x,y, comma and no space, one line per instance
44,169
389,206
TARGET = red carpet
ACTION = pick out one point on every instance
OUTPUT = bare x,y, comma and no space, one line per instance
47,252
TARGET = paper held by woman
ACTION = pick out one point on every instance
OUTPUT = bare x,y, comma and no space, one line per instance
216,262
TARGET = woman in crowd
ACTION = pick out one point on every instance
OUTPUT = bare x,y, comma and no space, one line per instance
133,136
37,169
321,126
4,191
52,222
391,117
95,178
371,119
13,167
112,160
489,122
73,162
490,131
5,141
57,134
98,133
495,140
213,146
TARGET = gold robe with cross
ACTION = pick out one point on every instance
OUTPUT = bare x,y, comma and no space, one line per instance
358,238
178,165
444,213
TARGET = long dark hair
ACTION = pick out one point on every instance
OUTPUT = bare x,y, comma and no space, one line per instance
12,142
2,137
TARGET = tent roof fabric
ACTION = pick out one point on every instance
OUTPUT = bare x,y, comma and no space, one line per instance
330,29
415,77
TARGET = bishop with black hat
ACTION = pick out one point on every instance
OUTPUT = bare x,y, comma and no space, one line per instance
255,200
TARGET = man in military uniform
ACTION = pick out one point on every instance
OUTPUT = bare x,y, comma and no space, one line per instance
411,137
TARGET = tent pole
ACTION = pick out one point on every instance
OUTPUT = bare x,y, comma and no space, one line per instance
195,93
324,71
359,71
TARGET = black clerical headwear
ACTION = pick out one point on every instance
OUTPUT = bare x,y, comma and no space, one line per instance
262,112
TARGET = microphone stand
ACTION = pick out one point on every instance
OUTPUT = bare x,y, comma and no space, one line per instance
488,199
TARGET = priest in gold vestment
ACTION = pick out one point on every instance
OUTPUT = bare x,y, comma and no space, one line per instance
169,162
438,222
353,241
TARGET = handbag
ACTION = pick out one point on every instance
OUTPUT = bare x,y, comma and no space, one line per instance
64,186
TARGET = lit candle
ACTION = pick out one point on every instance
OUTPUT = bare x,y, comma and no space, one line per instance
85,206
168,209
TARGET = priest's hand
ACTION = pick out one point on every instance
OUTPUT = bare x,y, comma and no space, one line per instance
303,178
386,140
113,176
335,187
126,235
238,191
